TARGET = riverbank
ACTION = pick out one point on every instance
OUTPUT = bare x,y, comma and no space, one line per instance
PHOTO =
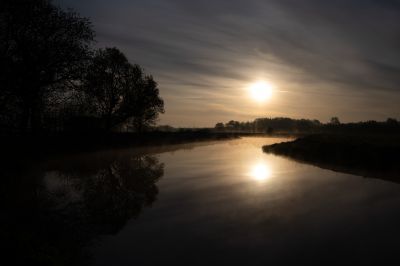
39,146
375,156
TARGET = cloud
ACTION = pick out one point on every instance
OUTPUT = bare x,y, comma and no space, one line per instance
311,49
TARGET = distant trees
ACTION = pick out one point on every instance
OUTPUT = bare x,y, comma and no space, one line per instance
306,126
285,124
335,121
119,92
219,126
271,125
42,50
48,68
392,121
233,125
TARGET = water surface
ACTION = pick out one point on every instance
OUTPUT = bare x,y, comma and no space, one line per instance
208,203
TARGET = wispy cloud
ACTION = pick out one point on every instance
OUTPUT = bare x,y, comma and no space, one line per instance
325,57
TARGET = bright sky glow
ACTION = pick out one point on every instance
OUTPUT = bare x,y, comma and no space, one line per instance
260,91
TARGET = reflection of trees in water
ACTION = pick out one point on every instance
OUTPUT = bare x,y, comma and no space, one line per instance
74,201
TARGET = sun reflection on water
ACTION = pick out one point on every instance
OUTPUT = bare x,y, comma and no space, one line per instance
260,172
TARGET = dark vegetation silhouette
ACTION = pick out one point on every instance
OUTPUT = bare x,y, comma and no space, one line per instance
335,121
270,125
43,51
120,93
53,210
52,80
368,155
285,125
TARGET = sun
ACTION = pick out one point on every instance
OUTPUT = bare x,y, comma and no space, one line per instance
260,91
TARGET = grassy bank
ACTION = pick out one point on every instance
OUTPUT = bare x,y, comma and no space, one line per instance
71,143
366,155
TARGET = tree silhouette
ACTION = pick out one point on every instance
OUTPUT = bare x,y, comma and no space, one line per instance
335,121
42,52
144,104
119,92
219,126
105,82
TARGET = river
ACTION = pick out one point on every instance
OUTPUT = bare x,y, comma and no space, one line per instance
207,203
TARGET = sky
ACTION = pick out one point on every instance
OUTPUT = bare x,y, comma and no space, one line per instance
322,58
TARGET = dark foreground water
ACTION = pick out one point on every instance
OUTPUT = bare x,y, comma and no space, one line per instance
219,203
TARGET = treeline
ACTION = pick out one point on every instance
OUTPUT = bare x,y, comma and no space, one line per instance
307,126
270,125
53,79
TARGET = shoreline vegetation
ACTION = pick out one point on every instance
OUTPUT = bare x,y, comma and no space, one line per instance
42,146
375,156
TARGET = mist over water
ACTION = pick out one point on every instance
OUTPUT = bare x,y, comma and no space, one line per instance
224,202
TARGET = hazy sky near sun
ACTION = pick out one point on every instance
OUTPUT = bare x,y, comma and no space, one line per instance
323,58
